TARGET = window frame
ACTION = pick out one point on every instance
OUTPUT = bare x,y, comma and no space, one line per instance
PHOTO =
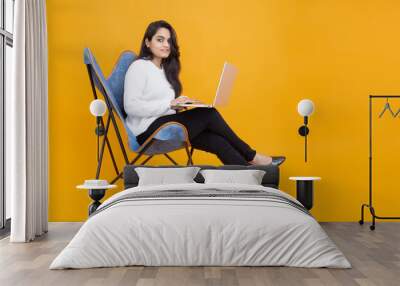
6,39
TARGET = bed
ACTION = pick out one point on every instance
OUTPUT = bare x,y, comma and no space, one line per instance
201,224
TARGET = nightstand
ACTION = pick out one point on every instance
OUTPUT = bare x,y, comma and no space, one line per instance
97,190
304,190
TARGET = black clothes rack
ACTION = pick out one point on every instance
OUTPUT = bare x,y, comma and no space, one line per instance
370,205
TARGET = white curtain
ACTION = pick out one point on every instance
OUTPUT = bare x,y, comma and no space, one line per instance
27,124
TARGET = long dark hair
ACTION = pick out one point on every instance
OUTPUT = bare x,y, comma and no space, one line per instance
172,64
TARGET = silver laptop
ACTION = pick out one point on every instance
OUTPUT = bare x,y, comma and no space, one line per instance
224,89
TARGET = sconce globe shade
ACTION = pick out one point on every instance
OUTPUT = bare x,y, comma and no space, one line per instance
305,107
98,107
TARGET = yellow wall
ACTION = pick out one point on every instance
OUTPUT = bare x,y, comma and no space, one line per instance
333,52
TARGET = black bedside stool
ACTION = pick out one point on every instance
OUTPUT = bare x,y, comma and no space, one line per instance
97,190
304,190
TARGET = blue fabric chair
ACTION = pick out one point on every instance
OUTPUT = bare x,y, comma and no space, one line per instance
169,137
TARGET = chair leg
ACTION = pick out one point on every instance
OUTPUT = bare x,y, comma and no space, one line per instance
102,123
189,154
147,160
112,156
172,160
136,158
140,154
102,148
111,114
119,176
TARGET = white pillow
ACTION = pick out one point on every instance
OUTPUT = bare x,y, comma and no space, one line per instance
249,177
163,176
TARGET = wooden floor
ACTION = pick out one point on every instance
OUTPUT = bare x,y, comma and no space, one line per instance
375,257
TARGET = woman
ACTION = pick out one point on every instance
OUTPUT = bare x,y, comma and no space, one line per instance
152,90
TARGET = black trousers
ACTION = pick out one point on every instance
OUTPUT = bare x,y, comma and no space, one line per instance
209,132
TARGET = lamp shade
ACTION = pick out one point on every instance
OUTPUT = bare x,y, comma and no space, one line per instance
98,107
305,107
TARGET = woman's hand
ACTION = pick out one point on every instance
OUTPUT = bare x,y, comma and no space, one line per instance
181,99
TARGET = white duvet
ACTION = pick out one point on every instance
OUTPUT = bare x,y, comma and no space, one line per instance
200,231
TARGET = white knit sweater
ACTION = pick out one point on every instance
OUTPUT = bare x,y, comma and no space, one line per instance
147,95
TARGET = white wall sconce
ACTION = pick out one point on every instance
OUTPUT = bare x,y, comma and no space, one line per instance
305,108
98,108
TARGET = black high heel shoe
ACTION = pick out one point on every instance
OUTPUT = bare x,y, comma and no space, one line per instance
277,160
